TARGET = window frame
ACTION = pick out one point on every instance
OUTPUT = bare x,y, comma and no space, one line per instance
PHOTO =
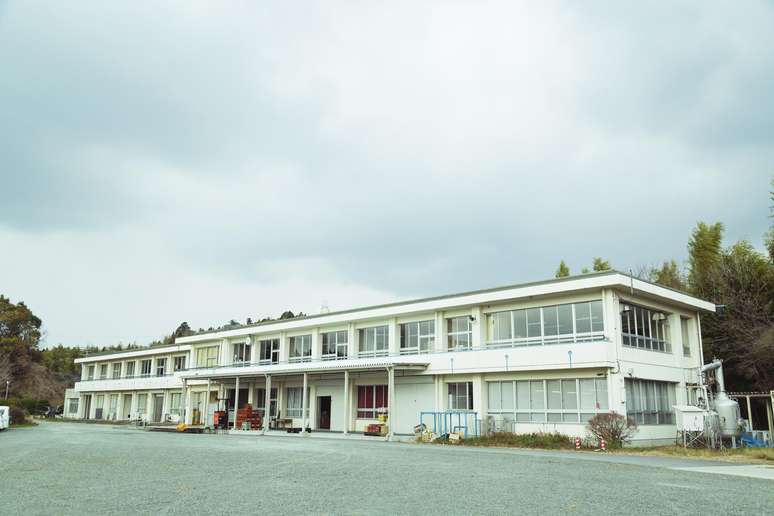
300,348
639,335
161,366
179,362
116,370
332,345
206,353
268,348
460,394
424,334
544,410
368,397
129,369
454,341
241,352
143,363
380,339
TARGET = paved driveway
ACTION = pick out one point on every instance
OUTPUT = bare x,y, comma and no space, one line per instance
65,468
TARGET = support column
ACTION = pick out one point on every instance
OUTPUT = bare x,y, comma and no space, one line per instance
183,402
188,406
440,333
769,418
346,402
236,402
267,405
304,403
393,337
352,344
390,401
251,394
205,418
478,326
749,414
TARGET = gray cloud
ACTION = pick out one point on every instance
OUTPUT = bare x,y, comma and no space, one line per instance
209,162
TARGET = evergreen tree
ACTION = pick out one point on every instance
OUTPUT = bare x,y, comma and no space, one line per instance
668,275
563,271
601,265
704,254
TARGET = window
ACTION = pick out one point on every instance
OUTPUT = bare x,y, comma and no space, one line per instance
460,333
129,369
371,400
241,353
145,367
686,337
113,407
576,322
260,401
207,357
90,372
161,366
174,403
103,370
643,328
294,401
650,402
99,406
301,348
334,345
72,407
117,370
270,350
373,342
417,337
460,396
569,400
142,403
178,363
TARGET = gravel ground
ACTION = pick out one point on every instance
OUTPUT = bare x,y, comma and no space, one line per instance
66,468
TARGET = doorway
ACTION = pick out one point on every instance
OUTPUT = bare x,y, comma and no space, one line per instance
87,407
126,406
324,412
158,407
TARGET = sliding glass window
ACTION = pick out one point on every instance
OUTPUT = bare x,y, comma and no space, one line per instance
459,331
572,322
559,401
649,402
334,345
270,351
300,348
417,337
644,328
373,342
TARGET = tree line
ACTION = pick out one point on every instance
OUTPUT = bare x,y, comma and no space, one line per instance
739,279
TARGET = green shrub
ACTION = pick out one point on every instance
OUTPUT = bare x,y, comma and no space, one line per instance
550,440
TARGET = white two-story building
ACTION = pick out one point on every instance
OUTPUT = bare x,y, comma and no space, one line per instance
542,356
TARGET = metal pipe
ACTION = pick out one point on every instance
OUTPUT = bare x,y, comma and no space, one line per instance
717,364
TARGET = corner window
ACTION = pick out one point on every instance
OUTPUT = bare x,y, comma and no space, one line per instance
417,337
334,345
300,348
460,396
459,332
644,328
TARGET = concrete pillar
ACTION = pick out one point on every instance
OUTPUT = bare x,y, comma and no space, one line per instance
304,405
346,402
313,406
749,414
205,417
284,353
769,417
393,337
223,353
183,402
440,333
236,402
267,405
390,401
188,406
316,345
437,404
478,327
352,345
149,406
251,394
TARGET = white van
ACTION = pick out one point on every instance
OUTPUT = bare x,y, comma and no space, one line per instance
5,415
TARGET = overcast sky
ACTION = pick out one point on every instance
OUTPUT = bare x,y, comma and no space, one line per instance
206,162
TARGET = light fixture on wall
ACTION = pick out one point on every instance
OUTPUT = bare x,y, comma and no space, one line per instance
472,318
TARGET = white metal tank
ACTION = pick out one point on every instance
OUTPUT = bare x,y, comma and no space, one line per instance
728,410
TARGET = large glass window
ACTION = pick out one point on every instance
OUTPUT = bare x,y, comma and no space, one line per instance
113,406
174,403
417,337
334,345
207,357
161,366
117,370
130,369
460,395
650,402
260,401
242,352
644,328
459,332
373,342
294,401
568,400
371,400
686,337
270,351
145,367
99,404
73,406
574,322
300,348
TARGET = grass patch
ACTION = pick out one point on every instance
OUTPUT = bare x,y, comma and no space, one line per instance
548,441
757,455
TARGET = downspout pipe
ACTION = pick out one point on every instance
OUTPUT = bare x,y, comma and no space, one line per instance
717,364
